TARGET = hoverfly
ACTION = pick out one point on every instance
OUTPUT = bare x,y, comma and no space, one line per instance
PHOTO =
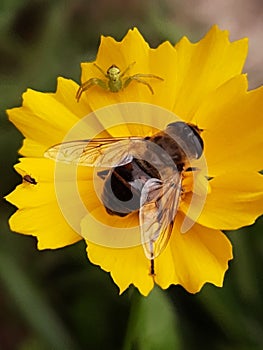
145,175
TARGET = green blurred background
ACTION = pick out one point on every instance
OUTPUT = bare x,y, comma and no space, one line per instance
57,299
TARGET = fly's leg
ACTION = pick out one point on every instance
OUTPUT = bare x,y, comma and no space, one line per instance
88,84
152,271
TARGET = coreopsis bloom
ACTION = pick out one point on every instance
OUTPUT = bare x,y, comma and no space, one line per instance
198,83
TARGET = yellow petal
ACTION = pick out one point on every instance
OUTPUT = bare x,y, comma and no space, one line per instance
45,119
42,118
66,95
235,200
44,170
126,266
110,231
163,63
41,212
194,258
204,66
233,128
133,119
40,216
132,48
190,259
32,148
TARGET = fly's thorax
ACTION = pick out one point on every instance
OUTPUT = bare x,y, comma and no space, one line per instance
171,148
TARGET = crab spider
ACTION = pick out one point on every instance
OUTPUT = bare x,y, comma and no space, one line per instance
116,80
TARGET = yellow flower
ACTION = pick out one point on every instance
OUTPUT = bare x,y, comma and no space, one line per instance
202,84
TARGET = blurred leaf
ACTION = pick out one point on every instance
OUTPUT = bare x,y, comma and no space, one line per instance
247,263
233,316
32,344
153,324
33,305
8,9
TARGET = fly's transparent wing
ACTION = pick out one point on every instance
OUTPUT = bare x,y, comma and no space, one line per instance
107,152
158,207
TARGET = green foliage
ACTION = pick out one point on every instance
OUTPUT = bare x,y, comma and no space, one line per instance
153,324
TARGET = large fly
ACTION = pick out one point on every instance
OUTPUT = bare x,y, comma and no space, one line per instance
140,178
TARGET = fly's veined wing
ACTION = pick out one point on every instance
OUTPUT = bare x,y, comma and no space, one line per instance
158,207
67,152
107,152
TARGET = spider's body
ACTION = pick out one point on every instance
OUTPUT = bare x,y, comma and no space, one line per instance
116,80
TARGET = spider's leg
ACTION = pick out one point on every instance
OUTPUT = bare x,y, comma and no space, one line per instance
136,78
127,69
101,70
88,84
139,75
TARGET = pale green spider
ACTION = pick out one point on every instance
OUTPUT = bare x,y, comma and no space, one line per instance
116,80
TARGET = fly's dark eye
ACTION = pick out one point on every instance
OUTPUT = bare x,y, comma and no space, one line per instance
197,141
188,136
